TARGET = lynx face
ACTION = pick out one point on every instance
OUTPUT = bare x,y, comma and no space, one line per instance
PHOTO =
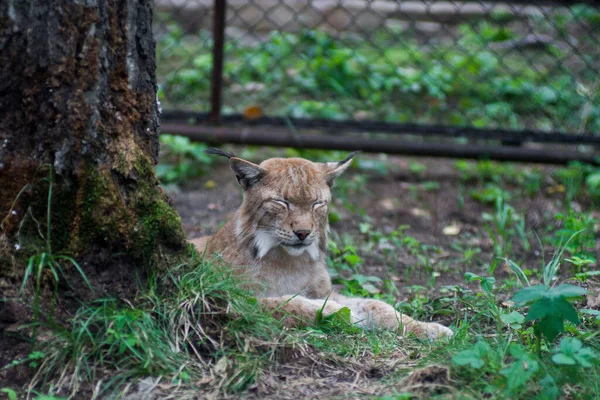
285,204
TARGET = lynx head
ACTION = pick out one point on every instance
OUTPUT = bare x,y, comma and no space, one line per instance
286,202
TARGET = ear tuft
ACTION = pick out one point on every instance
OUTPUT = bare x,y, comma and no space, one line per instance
248,174
219,152
349,158
335,169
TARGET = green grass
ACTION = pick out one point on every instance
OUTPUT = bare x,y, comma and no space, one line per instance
199,323
196,322
200,330
181,159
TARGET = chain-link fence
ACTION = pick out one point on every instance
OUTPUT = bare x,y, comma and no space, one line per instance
502,70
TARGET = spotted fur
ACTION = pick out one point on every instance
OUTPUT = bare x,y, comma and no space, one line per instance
278,237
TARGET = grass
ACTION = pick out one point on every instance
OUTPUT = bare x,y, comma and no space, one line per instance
46,262
198,330
196,325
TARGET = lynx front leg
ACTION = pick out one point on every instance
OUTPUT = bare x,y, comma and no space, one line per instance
372,314
299,311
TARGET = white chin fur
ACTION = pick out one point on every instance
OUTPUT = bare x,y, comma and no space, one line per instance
264,242
312,249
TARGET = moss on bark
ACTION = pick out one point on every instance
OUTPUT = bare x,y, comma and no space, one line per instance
78,95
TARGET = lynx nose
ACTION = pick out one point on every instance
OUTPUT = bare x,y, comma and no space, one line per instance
302,233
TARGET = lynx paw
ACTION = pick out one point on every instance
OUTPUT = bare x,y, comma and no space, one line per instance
437,331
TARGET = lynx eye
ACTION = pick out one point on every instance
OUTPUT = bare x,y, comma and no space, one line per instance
319,204
282,203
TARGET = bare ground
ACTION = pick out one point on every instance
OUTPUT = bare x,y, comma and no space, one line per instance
386,202
396,199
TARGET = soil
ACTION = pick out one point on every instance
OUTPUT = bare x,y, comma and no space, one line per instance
386,202
396,199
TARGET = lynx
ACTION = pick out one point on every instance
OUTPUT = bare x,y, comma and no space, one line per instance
278,238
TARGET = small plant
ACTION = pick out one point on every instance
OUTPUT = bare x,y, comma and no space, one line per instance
572,178
503,225
549,305
417,168
583,276
583,225
570,351
339,321
10,394
489,306
32,360
181,159
345,259
47,261
580,263
474,357
360,285
490,194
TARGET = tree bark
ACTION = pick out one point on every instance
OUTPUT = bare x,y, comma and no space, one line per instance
78,109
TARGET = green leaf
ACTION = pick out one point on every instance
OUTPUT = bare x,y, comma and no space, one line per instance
550,390
514,319
341,316
563,308
518,272
596,313
487,284
563,359
566,290
545,94
252,300
352,259
584,275
539,309
585,356
470,277
583,361
570,345
12,395
593,182
520,371
529,294
364,227
468,357
482,348
551,326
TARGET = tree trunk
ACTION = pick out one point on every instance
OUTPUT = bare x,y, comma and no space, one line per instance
79,120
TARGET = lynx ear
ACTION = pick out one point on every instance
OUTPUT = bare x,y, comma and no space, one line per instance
247,173
335,169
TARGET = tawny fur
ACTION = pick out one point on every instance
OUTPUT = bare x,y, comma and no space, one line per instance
281,197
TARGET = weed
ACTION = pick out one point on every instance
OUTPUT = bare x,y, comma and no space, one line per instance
46,260
10,394
579,179
490,194
181,159
502,226
570,351
580,263
417,168
584,225
550,306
